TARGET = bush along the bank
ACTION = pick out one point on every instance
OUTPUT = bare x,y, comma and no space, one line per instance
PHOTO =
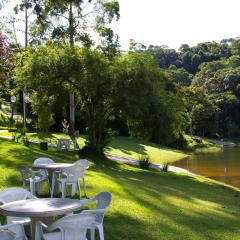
144,162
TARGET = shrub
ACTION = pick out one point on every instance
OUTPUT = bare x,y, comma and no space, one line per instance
26,142
83,151
165,167
4,119
144,162
180,143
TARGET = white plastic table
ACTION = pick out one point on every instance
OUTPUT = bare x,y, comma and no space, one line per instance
42,209
52,168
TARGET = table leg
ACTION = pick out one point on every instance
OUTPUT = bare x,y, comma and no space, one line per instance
36,235
33,228
52,178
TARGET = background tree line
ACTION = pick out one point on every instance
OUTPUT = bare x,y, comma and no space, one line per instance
208,76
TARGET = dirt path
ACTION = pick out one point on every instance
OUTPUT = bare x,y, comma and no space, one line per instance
222,143
135,162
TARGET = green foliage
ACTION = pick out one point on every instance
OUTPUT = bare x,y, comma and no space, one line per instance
202,112
189,58
180,143
4,119
151,111
221,80
7,60
50,72
229,115
75,22
41,106
179,76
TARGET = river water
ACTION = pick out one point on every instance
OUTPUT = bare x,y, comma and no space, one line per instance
222,166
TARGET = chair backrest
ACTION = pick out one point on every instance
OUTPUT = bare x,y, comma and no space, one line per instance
14,194
42,160
83,162
104,200
8,232
25,172
6,235
63,143
74,172
74,227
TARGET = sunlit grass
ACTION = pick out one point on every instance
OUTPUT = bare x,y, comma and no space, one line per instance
121,146
150,205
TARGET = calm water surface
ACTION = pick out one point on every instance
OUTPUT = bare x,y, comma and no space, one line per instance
222,166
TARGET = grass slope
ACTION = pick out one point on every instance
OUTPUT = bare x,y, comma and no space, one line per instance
131,147
121,146
149,205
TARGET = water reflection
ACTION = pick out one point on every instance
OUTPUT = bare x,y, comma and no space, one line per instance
223,166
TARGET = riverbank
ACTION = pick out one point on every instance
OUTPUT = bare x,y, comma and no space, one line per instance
223,143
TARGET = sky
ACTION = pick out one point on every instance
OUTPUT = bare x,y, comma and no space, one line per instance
174,22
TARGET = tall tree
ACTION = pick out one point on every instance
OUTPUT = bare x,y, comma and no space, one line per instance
72,19
151,110
25,6
6,62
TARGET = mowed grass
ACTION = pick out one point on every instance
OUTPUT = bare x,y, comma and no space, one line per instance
121,146
134,148
146,204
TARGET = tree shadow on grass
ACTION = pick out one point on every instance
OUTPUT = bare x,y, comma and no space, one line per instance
153,205
124,145
129,145
167,196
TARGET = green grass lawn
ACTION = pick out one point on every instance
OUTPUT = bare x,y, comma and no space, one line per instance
150,205
133,148
121,146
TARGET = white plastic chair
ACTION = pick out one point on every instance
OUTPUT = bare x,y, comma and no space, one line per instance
43,172
103,200
70,176
63,143
71,227
6,232
33,178
43,160
16,194
85,164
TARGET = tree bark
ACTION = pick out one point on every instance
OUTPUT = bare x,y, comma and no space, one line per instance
24,93
71,94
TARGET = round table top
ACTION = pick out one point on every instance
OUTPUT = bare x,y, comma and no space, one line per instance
40,207
53,166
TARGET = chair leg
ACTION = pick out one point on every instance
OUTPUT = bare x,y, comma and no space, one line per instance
49,186
39,187
79,189
63,188
53,184
92,233
101,233
32,186
74,188
84,186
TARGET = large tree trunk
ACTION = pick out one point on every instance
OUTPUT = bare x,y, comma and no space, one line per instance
24,93
97,136
72,114
71,94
